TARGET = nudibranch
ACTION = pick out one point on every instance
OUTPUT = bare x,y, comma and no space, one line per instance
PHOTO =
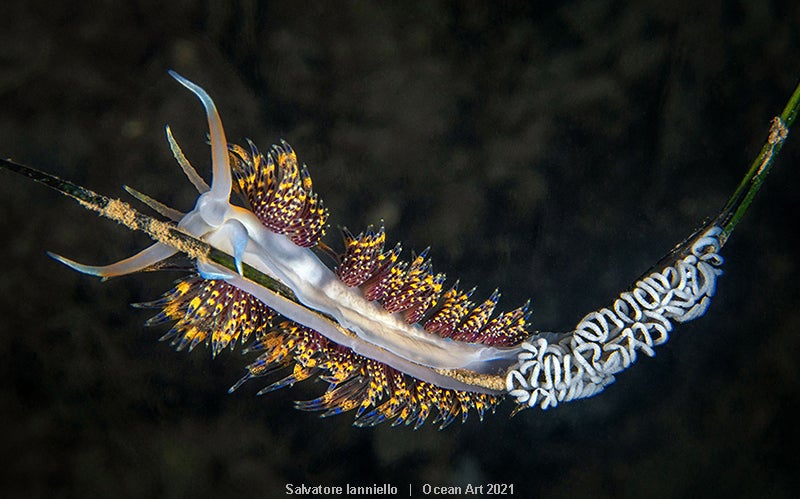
389,337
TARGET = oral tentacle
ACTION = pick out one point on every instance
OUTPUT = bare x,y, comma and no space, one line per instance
140,261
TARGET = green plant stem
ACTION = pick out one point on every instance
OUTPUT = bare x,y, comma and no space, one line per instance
740,201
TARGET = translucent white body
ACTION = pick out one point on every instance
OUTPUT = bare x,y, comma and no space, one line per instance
327,305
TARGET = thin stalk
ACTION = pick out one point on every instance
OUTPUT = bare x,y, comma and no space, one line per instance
740,201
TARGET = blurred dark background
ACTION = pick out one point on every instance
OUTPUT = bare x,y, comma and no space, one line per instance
554,151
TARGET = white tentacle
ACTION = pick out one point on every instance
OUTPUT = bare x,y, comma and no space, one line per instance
140,261
221,181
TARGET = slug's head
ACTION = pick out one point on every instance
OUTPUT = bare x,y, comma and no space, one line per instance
212,208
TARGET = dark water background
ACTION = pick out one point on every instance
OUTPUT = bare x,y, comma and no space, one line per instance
555,152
